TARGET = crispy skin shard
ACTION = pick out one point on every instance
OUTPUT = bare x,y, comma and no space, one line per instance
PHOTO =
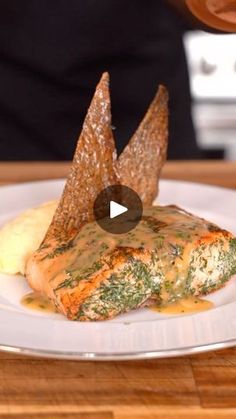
92,168
140,164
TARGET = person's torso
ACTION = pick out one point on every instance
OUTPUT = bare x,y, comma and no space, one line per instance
52,54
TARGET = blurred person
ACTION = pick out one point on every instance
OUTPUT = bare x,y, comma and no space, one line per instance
52,54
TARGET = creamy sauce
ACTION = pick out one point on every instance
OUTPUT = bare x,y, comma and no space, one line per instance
168,231
184,305
172,228
36,301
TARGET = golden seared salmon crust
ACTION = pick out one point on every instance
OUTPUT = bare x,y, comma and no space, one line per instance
169,255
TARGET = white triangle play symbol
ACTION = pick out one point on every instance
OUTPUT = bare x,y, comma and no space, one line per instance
116,209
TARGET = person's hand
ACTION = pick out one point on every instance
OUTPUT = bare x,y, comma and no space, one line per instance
218,14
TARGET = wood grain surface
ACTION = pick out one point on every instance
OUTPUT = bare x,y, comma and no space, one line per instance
213,172
199,386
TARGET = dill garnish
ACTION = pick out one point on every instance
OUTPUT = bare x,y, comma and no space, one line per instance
77,275
176,249
154,224
59,250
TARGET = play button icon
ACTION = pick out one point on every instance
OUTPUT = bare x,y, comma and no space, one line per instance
118,209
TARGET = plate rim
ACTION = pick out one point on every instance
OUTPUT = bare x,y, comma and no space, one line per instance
117,356
112,356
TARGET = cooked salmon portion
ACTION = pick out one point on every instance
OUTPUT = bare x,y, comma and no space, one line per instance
170,254
90,274
56,266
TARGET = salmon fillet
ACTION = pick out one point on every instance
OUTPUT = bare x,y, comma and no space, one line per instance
170,254
92,275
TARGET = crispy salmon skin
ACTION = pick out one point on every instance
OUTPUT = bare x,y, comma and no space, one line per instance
140,164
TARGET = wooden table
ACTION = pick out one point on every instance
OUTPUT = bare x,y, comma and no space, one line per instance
189,387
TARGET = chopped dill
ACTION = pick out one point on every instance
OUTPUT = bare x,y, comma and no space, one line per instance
59,250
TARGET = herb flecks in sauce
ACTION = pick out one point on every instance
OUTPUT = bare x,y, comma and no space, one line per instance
38,302
167,256
78,275
184,306
62,248
126,289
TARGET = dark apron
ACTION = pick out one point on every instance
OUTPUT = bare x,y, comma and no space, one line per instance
52,54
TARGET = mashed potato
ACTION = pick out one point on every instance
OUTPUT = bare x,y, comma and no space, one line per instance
20,237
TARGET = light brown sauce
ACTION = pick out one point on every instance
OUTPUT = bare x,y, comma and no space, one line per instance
184,305
92,242
174,229
36,301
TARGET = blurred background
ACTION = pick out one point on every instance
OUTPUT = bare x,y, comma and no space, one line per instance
212,69
53,52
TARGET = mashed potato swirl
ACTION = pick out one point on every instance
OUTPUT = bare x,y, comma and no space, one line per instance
21,236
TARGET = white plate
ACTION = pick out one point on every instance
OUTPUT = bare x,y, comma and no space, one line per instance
137,335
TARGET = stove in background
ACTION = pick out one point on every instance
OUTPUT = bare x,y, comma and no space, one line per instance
212,67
